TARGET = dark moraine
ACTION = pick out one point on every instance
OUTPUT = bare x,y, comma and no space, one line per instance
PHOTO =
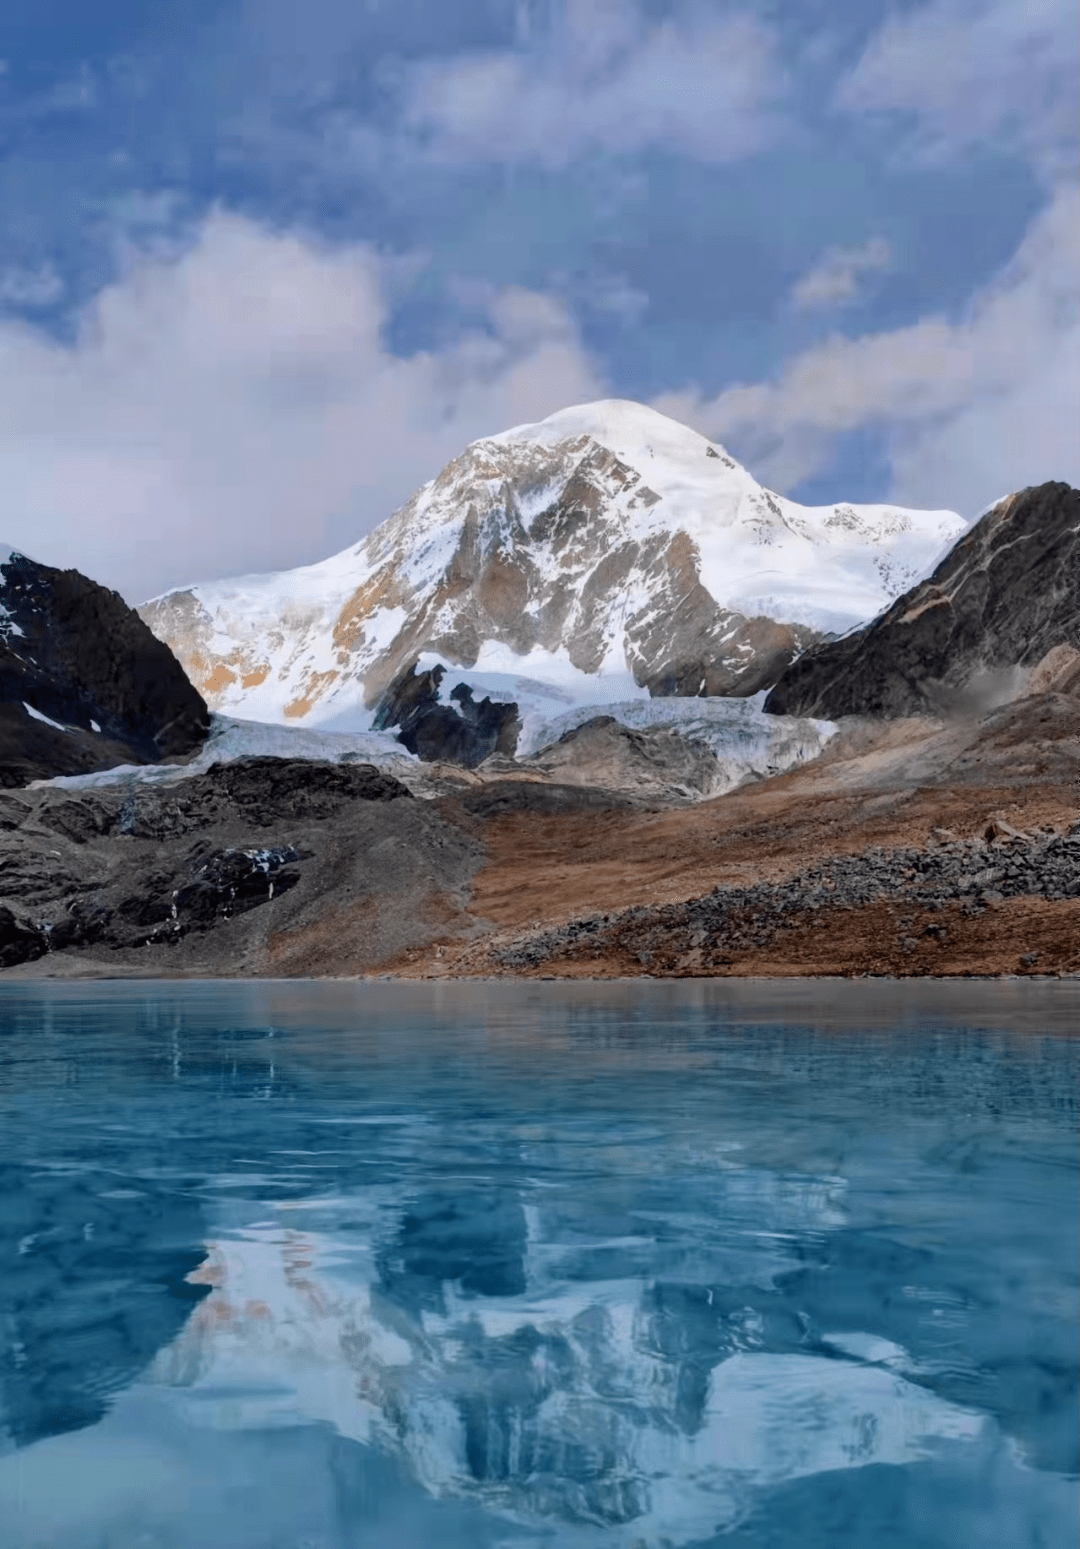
593,1266
129,866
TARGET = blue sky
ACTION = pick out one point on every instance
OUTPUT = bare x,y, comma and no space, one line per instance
266,266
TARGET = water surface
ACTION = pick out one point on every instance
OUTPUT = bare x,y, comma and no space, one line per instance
315,1266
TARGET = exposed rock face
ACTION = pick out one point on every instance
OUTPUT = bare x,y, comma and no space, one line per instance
655,762
84,684
1000,615
608,536
436,732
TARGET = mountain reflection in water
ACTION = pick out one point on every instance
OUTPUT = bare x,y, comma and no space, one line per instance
325,1265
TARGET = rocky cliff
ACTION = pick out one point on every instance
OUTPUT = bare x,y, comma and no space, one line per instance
462,732
1004,598
84,684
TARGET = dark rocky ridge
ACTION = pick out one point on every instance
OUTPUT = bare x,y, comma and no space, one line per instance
1003,597
77,654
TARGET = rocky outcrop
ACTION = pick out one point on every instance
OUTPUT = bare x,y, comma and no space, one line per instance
998,617
84,684
440,733
653,763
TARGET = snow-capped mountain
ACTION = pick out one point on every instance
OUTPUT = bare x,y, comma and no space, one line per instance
604,553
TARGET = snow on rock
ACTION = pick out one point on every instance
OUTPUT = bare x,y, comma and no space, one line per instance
8,624
84,682
44,719
554,697
745,743
605,542
829,567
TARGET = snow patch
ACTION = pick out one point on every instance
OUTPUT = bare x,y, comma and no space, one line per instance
37,715
8,626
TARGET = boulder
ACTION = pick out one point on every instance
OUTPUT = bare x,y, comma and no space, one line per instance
653,762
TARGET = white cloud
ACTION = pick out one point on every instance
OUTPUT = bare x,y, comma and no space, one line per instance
237,408
971,71
30,288
969,407
836,278
700,83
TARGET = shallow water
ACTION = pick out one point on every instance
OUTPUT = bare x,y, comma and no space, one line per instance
307,1266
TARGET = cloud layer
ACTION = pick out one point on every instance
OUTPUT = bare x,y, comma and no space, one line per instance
971,408
237,408
458,217
968,73
700,82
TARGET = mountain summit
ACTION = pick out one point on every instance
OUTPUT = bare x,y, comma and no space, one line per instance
603,542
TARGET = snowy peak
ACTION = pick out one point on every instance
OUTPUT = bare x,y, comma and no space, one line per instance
636,434
606,541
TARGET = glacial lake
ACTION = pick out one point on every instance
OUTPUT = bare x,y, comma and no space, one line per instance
489,1266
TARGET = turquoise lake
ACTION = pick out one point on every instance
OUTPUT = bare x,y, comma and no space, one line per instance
487,1266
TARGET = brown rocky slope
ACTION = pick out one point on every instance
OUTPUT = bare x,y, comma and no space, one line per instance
912,847
917,846
924,844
